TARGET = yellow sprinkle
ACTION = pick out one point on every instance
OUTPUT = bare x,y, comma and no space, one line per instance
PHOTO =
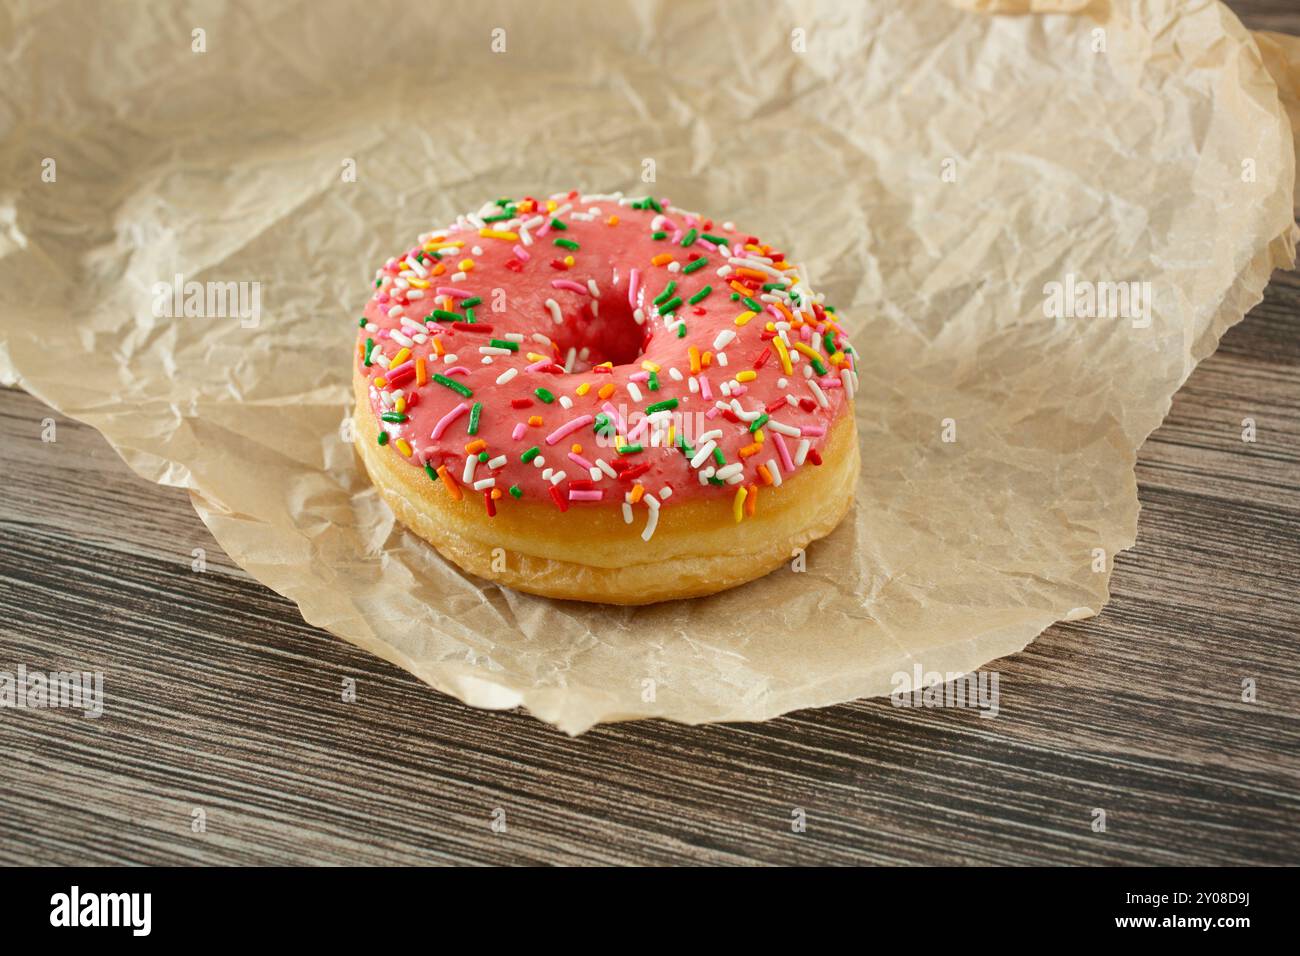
738,503
403,446
650,366
759,437
746,376
606,390
784,355
672,435
583,389
465,265
837,358
419,283
401,356
535,420
552,205
381,382
534,357
499,234
744,317
568,260
399,406
662,259
808,351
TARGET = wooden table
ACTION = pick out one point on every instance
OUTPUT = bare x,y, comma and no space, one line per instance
225,707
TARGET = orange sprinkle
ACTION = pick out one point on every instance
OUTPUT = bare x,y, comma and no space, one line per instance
662,259
785,311
752,449
612,221
576,448
439,269
694,354
706,359
606,390
765,474
752,274
742,289
422,370
637,492
496,494
535,420
476,446
452,488
751,501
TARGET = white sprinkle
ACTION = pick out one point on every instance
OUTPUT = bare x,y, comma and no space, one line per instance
539,462
459,277
818,393
702,455
566,402
627,513
725,338
774,470
484,483
554,306
605,467
634,391
497,462
507,375
802,452
665,492
494,350
782,428
476,250
652,519
557,477
721,358
395,311
467,476
593,288
675,375
733,470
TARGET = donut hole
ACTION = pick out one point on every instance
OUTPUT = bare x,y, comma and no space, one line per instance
609,333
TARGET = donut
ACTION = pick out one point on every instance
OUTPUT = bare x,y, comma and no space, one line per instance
605,399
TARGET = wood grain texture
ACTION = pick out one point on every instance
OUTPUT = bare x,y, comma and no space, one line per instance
221,698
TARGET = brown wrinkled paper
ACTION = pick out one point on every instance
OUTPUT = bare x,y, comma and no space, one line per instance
934,168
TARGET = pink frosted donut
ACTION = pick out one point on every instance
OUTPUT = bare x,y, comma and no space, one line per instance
605,399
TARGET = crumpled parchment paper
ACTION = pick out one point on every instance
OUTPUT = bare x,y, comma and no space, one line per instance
936,169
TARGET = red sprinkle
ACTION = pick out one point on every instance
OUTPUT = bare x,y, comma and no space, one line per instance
775,404
560,499
763,356
491,505
472,327
814,456
631,473
521,402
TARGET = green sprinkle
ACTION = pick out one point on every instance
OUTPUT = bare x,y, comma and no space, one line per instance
377,281
653,381
716,240
482,457
455,386
667,405
529,455
568,244
602,424
504,344
382,438
694,265
735,297
770,286
474,414
828,342
442,315
715,481
556,224
370,347
818,367
667,294
395,417
659,235
654,204
671,306
498,217
701,295
758,423
516,491
681,330
362,323
630,449
428,470
471,302
544,395
690,237
751,304
469,316
718,457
